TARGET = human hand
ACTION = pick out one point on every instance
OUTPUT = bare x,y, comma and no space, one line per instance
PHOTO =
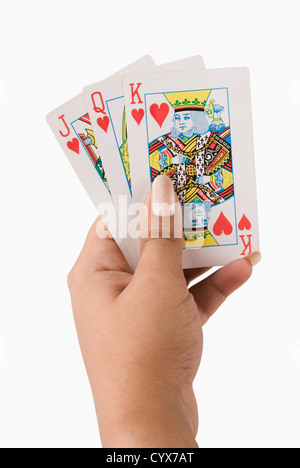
141,334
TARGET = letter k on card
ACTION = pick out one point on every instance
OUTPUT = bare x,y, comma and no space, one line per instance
137,113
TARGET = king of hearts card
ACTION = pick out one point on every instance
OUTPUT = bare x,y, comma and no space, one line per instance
195,127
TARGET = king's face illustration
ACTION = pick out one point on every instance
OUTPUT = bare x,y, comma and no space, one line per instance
183,122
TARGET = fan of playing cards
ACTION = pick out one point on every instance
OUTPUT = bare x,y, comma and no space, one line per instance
180,120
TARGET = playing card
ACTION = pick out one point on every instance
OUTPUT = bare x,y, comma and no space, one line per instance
106,99
188,63
71,126
106,108
196,128
103,101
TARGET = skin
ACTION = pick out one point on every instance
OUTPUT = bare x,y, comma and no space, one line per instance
141,335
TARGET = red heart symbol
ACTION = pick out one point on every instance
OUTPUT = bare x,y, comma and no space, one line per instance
73,145
138,115
222,225
159,113
244,223
103,123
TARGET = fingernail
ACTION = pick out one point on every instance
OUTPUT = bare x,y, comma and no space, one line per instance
254,258
163,197
102,229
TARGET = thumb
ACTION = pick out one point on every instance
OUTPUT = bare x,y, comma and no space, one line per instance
161,230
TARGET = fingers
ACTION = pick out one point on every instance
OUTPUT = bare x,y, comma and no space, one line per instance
161,229
100,252
210,293
193,273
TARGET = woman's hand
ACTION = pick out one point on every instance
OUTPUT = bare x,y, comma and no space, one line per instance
141,334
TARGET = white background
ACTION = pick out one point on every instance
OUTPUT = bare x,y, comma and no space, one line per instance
248,386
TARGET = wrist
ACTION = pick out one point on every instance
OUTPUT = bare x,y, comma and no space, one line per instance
152,427
144,416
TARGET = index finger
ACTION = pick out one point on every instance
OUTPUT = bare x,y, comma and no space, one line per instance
101,252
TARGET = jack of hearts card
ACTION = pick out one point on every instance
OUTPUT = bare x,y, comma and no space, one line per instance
72,128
